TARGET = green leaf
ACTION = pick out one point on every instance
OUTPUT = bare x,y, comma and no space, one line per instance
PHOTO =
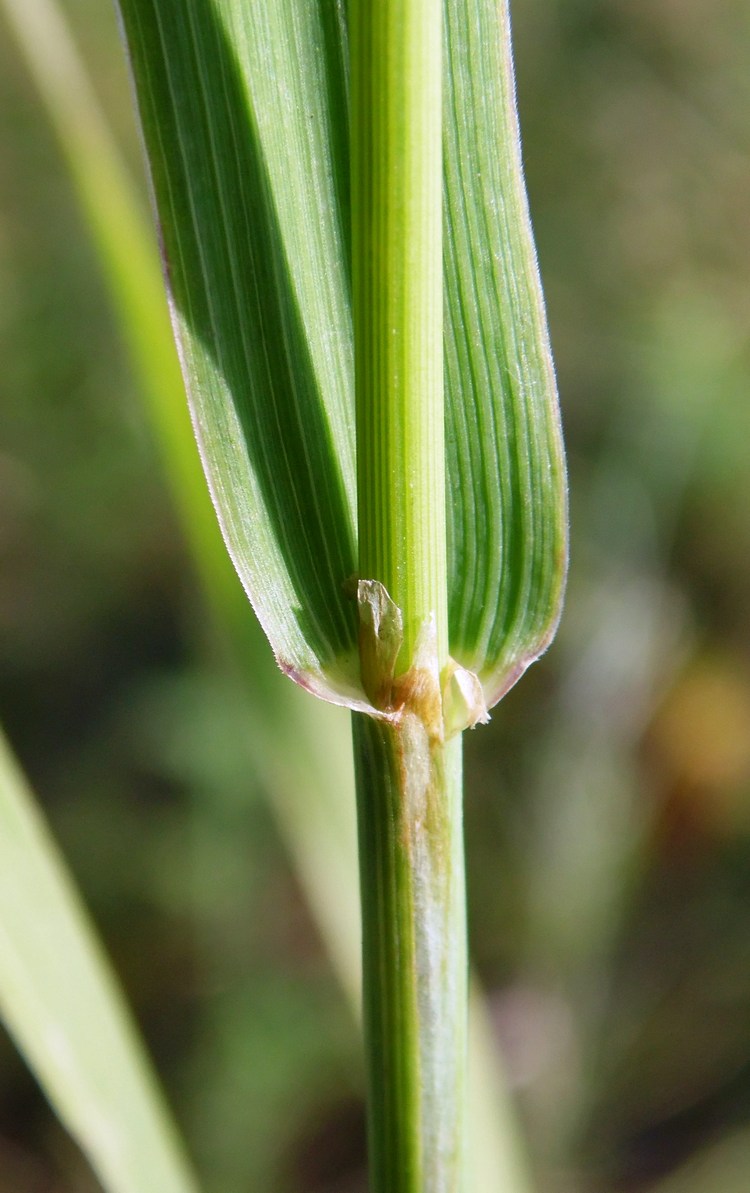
244,110
507,513
244,113
60,1002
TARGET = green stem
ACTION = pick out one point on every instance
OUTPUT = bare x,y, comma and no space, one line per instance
398,307
408,777
414,955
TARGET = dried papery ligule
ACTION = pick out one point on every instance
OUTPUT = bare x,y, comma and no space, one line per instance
445,703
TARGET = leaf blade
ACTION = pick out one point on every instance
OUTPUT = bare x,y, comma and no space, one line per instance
235,103
507,532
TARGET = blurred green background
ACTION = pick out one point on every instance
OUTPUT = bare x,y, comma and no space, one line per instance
608,803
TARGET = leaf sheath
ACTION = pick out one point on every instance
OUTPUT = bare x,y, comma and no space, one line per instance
414,951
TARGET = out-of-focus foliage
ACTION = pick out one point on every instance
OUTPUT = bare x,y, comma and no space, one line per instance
608,805
60,1004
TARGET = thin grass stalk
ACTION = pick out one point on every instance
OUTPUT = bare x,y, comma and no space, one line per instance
398,309
408,779
414,952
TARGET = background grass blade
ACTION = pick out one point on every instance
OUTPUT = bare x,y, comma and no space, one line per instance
63,1008
507,513
123,233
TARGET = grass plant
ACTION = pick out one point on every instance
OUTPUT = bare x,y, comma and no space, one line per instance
344,347
375,591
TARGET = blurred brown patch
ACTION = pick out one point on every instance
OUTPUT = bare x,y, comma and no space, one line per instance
330,1156
698,746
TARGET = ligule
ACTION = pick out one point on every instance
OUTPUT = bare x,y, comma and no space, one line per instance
447,703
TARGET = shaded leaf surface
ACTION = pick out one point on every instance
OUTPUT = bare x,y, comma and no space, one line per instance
237,103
